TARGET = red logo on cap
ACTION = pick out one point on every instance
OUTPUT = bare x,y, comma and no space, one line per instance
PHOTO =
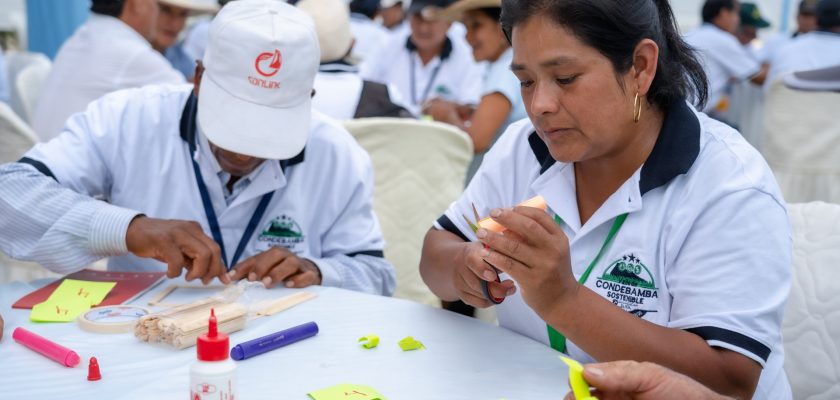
275,60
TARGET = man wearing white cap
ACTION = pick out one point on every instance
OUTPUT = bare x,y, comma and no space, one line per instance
111,51
284,192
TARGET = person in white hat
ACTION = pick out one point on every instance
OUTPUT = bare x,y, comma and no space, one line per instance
234,177
339,90
171,21
110,51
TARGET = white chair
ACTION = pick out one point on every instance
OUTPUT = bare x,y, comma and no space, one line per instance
15,136
16,62
802,143
811,325
420,168
28,85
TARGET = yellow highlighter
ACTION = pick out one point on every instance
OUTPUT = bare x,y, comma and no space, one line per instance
579,386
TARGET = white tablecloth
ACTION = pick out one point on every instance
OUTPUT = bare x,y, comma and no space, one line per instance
464,358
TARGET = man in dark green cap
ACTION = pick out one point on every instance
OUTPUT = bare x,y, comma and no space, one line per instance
751,22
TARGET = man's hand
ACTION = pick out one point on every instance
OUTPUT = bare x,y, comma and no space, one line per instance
179,244
276,265
642,381
1,327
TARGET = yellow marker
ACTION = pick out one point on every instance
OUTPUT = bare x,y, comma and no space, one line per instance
579,386
370,341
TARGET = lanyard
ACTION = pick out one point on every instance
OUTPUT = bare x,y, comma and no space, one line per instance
556,339
428,85
214,222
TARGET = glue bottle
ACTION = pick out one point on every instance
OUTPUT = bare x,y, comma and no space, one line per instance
213,376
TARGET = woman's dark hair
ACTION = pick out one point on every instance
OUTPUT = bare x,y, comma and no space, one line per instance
614,28
111,8
711,8
495,13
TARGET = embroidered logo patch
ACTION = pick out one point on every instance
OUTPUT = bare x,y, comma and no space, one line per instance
628,283
282,231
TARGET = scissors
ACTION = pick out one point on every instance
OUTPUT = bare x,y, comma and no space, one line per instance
484,287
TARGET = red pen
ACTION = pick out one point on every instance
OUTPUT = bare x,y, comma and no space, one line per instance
47,348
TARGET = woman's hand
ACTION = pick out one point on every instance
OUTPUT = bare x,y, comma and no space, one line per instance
468,274
443,111
534,251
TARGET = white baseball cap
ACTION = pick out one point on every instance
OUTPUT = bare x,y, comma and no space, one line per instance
255,93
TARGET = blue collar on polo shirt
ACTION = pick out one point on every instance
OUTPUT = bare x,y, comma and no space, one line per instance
444,53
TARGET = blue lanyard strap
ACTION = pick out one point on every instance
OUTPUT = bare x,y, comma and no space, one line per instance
556,339
214,222
428,85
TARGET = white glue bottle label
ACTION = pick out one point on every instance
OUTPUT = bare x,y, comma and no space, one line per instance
213,376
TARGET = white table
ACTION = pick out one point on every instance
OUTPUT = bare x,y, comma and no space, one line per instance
464,358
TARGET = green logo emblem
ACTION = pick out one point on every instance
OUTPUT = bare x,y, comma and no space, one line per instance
629,270
282,231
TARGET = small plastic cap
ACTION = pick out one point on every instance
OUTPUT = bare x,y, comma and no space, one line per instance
93,370
212,346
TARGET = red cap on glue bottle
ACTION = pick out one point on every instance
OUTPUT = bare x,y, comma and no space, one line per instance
213,346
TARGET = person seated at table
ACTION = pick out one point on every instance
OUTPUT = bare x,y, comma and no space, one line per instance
667,238
642,381
285,194
500,103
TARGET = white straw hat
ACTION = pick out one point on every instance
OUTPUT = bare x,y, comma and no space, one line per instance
195,7
332,22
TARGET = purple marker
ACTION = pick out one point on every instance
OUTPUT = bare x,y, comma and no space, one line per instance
273,341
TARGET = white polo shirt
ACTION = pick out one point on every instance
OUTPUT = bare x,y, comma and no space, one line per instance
724,60
453,75
136,148
812,50
103,55
706,246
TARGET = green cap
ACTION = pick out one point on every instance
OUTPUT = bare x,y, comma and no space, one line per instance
750,16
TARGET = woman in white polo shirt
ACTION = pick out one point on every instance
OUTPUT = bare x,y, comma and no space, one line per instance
667,238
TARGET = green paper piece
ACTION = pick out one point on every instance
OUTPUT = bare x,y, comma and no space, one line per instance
580,387
347,391
370,341
409,343
71,298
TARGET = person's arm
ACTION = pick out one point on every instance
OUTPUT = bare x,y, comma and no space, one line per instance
761,76
1,327
630,380
488,117
538,259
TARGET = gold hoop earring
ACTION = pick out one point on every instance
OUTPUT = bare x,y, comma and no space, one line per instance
637,108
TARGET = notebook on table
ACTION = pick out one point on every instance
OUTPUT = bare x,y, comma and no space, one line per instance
130,285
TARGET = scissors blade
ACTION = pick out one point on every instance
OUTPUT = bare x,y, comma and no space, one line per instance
472,225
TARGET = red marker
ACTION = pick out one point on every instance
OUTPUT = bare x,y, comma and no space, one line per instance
47,348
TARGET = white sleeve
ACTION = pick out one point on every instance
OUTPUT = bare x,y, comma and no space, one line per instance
352,247
146,68
732,293
735,59
60,229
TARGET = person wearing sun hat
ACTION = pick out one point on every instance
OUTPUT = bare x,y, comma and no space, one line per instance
501,103
751,22
233,177
426,62
171,21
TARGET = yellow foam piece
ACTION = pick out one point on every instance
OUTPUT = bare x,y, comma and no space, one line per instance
370,341
408,343
580,388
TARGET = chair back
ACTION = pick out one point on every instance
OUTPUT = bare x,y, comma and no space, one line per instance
15,136
28,85
802,142
811,326
420,167
17,62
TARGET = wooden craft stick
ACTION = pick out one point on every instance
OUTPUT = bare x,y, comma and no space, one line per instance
285,303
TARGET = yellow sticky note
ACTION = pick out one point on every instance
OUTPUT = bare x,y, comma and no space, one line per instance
580,387
92,292
369,341
58,311
409,343
71,298
347,391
